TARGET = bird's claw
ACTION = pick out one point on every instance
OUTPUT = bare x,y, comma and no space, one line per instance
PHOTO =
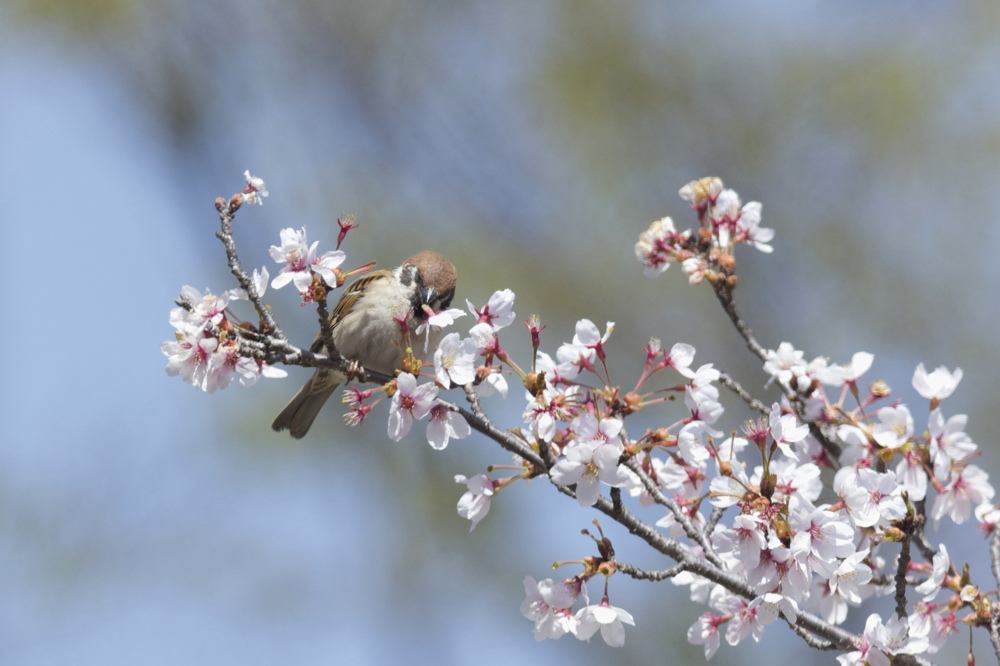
355,370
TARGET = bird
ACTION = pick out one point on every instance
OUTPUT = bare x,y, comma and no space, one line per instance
365,328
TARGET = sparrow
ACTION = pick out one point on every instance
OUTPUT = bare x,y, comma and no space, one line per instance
365,328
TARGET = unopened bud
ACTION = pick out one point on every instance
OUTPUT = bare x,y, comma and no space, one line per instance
660,435
534,382
632,402
767,485
880,389
732,281
535,327
893,534
412,365
235,202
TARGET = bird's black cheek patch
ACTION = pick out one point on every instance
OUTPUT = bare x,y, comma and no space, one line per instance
445,299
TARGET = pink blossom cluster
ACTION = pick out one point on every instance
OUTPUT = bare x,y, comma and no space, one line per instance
809,523
725,222
205,351
816,492
302,263
824,552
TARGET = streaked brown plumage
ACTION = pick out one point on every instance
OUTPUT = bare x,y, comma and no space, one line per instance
364,329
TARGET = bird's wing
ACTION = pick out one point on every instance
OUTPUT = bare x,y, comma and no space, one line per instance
347,301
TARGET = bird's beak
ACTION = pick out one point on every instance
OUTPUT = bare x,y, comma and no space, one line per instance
428,295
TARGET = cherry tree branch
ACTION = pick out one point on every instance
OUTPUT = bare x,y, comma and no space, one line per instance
901,568
724,293
272,346
693,533
814,630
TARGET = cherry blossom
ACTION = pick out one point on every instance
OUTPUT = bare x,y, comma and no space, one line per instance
436,322
937,385
475,503
701,193
454,360
942,565
786,430
867,653
748,228
498,311
587,464
608,619
189,355
409,403
588,344
256,190
680,358
749,618
547,603
968,488
756,517
895,427
301,261
838,375
784,363
872,497
444,425
821,536
705,631
655,247
949,443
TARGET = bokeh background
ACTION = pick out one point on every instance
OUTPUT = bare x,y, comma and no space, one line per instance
144,522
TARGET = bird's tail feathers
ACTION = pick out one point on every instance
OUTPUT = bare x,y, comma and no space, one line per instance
298,415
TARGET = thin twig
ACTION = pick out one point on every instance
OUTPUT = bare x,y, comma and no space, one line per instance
482,424
640,574
325,329
725,295
226,212
713,520
735,387
692,532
